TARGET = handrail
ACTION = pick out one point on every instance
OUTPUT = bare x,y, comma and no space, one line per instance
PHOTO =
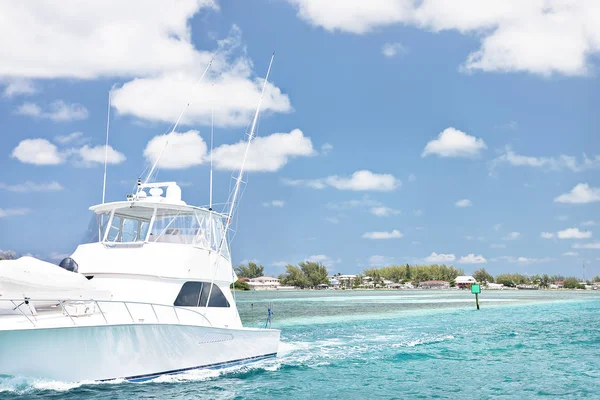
64,302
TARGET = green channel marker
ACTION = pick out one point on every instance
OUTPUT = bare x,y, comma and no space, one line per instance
476,289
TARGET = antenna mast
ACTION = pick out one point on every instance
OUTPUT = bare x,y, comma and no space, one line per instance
212,124
176,125
106,145
238,180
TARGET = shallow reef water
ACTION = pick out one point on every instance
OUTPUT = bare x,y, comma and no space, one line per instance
390,345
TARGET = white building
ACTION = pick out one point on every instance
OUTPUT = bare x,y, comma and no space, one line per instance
495,286
264,283
464,281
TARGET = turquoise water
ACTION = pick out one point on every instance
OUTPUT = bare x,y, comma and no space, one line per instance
409,344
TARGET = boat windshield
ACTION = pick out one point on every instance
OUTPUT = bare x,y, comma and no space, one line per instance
198,228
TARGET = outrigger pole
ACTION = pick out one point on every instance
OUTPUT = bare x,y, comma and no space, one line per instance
106,145
238,180
175,126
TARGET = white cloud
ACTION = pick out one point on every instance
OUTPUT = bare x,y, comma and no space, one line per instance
333,220
588,223
280,263
179,150
233,95
38,152
497,227
497,246
229,90
90,155
582,193
147,40
364,180
354,16
309,183
479,238
144,37
76,137
540,37
573,233
440,258
418,213
274,203
512,236
323,259
562,217
472,259
463,203
595,245
16,87
395,234
559,163
570,254
13,212
454,143
29,186
523,260
382,211
390,50
58,111
359,181
267,153
547,235
380,261
326,149
527,260
365,202
42,152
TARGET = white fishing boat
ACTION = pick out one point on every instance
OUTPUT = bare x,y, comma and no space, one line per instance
147,294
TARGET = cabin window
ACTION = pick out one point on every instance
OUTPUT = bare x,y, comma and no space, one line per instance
195,294
96,228
123,229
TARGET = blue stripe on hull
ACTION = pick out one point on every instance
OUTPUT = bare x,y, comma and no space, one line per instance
221,365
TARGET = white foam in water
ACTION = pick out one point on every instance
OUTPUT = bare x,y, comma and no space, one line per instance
23,385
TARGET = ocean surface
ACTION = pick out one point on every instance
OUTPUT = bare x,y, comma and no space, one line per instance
391,345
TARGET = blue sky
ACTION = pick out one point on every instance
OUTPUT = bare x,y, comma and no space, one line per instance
392,131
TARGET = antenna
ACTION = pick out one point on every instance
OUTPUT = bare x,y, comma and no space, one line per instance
106,145
212,132
176,125
238,180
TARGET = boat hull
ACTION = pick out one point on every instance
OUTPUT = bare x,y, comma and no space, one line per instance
135,352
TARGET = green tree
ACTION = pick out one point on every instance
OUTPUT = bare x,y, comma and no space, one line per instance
8,255
250,271
545,281
597,279
407,273
481,275
573,283
358,280
240,285
315,273
512,280
294,276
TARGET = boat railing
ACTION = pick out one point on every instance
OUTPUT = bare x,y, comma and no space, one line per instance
113,312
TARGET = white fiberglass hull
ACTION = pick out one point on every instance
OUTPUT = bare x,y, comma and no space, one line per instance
134,352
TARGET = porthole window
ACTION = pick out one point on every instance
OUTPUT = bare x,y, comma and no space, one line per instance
195,294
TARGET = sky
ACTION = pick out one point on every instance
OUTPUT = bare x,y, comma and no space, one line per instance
391,132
